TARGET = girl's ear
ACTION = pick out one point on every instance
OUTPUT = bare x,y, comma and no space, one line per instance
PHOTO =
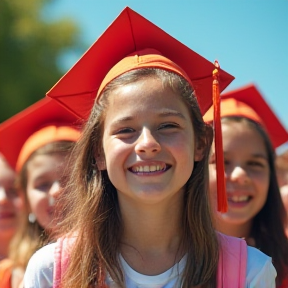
100,162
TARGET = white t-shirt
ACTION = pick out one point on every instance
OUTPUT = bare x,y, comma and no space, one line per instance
39,273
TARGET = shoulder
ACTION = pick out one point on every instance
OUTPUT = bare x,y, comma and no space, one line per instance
257,267
260,270
40,267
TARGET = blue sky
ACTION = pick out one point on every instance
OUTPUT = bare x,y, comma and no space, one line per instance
249,38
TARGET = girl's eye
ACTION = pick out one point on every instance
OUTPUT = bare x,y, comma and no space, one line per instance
255,164
226,162
125,131
168,125
43,186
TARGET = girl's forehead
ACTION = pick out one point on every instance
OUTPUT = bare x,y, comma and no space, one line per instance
147,94
242,135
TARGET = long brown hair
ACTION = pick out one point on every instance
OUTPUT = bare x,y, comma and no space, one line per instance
268,225
91,208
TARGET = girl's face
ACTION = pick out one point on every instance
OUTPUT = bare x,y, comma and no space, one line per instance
11,202
148,142
43,175
246,170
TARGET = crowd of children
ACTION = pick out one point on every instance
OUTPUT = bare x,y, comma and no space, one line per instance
134,172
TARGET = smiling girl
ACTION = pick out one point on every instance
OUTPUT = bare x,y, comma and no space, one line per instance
42,149
137,211
255,210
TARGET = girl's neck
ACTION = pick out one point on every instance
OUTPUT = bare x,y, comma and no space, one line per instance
231,229
151,233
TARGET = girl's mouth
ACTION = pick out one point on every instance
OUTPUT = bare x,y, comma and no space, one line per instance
149,169
239,199
6,215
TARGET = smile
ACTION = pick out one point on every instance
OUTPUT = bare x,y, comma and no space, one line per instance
149,168
239,199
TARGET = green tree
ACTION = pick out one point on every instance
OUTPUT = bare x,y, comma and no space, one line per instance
30,46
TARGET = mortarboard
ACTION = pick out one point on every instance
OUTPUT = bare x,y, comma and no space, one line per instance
248,102
133,42
41,123
131,32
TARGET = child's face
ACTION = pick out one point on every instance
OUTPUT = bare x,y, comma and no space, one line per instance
246,171
43,175
11,202
148,142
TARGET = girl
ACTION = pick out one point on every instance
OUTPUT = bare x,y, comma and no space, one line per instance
40,166
11,206
137,211
255,210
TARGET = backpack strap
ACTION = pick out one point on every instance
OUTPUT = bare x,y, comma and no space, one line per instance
61,261
61,258
232,262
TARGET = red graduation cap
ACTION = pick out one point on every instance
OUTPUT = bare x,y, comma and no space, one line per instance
133,42
130,32
248,102
41,123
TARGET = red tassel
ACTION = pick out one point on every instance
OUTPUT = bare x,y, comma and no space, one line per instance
221,187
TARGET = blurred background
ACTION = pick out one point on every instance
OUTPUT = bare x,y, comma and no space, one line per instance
41,39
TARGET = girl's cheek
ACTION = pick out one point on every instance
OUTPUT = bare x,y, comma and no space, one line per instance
19,203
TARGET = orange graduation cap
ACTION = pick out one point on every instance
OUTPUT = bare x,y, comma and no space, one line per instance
41,123
132,42
248,102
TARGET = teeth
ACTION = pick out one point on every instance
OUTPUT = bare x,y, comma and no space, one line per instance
153,168
147,168
239,198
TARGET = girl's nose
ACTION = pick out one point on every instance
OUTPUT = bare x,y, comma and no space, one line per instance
240,175
54,192
147,143
3,195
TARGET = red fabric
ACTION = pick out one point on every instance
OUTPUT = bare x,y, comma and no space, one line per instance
248,102
5,273
284,283
221,184
15,131
131,32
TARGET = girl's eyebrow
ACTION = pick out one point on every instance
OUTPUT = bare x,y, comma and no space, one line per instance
259,155
254,155
168,113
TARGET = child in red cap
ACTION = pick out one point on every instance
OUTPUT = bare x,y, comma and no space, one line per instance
251,132
137,209
41,137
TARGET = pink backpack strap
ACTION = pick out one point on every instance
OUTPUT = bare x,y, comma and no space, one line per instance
232,262
61,258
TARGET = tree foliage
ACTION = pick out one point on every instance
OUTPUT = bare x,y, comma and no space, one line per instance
30,46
